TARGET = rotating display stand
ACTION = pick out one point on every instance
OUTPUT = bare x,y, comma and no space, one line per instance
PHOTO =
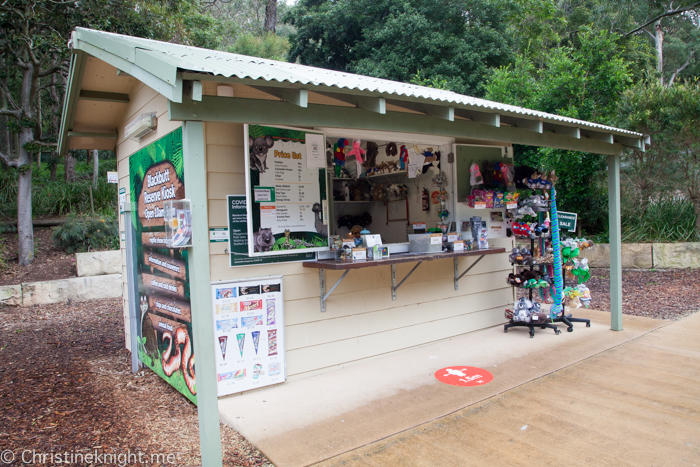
567,318
531,326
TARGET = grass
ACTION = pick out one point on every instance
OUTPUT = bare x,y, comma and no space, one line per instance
667,220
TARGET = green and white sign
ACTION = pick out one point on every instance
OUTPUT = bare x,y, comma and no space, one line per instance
218,235
567,220
238,238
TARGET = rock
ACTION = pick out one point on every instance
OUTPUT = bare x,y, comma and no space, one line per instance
11,295
676,255
634,256
76,289
97,263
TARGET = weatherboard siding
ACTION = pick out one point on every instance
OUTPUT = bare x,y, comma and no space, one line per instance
361,320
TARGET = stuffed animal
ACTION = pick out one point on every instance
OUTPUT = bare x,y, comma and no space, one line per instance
339,155
372,152
355,158
391,150
403,158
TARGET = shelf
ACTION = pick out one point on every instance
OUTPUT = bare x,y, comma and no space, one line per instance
391,176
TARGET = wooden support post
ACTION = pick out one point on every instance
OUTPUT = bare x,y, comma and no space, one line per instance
615,243
194,163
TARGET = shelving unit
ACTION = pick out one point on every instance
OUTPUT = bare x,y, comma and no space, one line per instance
531,326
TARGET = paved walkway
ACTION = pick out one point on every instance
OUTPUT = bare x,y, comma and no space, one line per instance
634,405
592,396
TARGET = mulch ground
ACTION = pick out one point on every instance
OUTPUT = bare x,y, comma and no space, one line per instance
49,263
66,381
66,386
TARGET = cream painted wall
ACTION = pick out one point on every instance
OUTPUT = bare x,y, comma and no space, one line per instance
361,320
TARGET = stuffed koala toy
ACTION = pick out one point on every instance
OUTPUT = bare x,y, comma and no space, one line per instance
258,152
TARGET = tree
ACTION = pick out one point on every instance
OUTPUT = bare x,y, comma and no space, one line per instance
673,28
671,115
33,59
455,41
271,16
586,83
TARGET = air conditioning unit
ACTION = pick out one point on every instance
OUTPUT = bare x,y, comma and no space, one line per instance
142,126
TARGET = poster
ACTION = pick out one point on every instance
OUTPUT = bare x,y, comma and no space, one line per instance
238,238
285,192
248,334
162,274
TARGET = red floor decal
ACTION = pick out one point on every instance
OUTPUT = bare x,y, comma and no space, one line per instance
463,376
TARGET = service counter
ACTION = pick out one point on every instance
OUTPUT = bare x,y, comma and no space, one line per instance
395,259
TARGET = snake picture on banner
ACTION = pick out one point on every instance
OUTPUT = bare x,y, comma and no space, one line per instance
164,338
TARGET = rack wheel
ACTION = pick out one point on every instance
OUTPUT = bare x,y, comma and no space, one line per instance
532,334
505,328
557,332
570,329
588,324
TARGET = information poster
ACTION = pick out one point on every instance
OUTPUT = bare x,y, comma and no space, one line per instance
162,274
248,334
238,238
285,191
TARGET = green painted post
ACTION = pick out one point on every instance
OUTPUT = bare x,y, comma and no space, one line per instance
200,294
615,243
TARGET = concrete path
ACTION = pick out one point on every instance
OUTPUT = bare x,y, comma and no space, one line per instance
634,405
392,410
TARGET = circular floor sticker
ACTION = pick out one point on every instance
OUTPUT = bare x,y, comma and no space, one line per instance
463,376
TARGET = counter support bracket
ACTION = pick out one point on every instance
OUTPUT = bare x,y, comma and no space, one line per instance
395,287
457,278
322,280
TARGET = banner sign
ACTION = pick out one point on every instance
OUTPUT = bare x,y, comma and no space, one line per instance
248,334
285,191
165,318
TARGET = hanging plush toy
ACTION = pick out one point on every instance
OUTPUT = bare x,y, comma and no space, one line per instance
475,177
497,177
355,158
403,158
391,150
339,155
372,152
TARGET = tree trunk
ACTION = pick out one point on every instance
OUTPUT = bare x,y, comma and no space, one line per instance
659,43
271,16
696,207
25,228
52,167
95,167
69,164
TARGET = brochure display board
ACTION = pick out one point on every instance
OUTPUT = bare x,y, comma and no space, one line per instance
249,334
238,238
286,191
165,344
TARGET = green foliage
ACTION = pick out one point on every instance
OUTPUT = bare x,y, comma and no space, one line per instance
4,253
584,82
665,220
269,46
83,233
454,42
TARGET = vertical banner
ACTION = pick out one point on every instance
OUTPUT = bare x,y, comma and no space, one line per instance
249,334
165,322
286,190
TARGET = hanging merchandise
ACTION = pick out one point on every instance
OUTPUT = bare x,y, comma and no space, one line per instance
372,153
391,150
425,200
475,178
403,158
339,155
354,159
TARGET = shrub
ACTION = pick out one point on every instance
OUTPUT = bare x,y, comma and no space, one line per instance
665,220
83,233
